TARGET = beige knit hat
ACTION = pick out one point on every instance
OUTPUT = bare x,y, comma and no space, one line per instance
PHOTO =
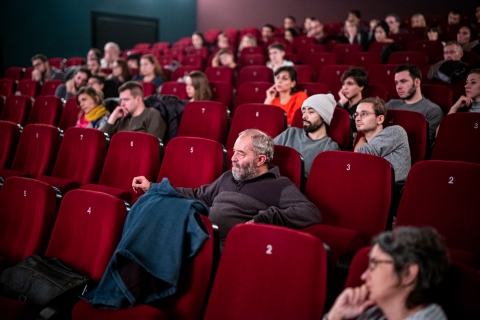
324,104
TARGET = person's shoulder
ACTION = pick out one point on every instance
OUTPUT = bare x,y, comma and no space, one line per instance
394,103
137,78
395,130
300,95
431,104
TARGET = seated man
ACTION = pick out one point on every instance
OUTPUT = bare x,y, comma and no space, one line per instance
393,21
316,31
72,86
451,68
252,192
267,32
317,113
390,143
454,17
133,115
43,71
408,79
111,54
276,53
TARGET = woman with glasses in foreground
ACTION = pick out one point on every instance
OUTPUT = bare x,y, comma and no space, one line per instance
405,267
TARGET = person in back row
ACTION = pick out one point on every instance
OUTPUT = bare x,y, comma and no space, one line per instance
43,71
470,102
284,93
71,87
276,53
132,115
150,70
197,87
317,113
354,80
390,143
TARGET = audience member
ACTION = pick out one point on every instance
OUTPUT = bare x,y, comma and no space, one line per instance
393,22
150,70
111,54
405,268
316,31
451,68
93,54
267,32
224,58
96,82
371,32
120,72
408,80
477,14
252,192
284,93
43,71
306,24
133,62
197,87
390,143
289,22
418,21
94,114
276,53
94,66
223,41
132,115
454,17
355,15
471,100
198,41
433,32
354,80
289,34
71,87
381,32
247,41
317,113
467,37
352,34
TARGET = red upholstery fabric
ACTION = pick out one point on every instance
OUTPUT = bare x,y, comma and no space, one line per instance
254,74
271,277
304,73
58,63
202,52
330,76
357,267
75,61
251,60
419,59
251,92
433,49
2,102
384,74
50,86
46,110
222,92
311,88
7,86
211,35
141,46
375,90
84,310
362,59
442,194
17,109
183,71
36,150
192,162
88,228
14,73
196,62
416,127
149,88
402,38
204,119
318,60
16,310
438,94
116,192
174,88
63,185
220,74
130,154
301,41
9,135
344,49
28,87
70,114
26,218
352,191
251,50
28,73
458,138
307,49
290,163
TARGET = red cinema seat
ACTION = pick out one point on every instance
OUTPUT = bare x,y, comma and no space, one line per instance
196,62
183,71
17,109
251,60
291,164
433,49
174,88
79,161
311,88
28,87
130,154
318,60
204,119
220,74
141,46
338,184
293,288
384,75
344,49
362,59
58,63
375,90
254,74
36,152
420,59
9,135
70,114
222,92
46,110
251,92
7,86
438,94
442,194
251,50
307,49
330,76
304,73
28,73
15,73
75,61
2,102
301,41
149,88
377,46
211,35
50,86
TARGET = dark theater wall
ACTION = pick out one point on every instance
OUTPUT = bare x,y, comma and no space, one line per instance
63,27
220,14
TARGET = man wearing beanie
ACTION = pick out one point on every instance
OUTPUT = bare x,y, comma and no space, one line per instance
317,113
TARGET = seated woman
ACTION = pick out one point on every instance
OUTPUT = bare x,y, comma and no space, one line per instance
94,66
247,41
352,34
150,70
405,267
120,74
289,34
354,80
418,21
284,93
276,53
467,37
433,32
470,102
93,114
197,87
224,58
133,62
381,32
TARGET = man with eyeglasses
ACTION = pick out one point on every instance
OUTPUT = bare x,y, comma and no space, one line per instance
451,65
390,143
43,71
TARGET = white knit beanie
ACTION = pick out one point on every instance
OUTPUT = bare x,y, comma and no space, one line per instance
324,104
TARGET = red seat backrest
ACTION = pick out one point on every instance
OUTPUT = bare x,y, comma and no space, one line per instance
10,135
16,109
46,110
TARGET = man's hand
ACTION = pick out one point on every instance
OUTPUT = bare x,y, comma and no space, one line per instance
360,143
140,183
250,222
119,112
36,75
350,303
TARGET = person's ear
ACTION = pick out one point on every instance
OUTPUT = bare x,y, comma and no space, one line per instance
409,275
417,82
261,160
380,119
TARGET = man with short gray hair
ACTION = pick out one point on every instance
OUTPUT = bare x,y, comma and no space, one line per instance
110,55
252,192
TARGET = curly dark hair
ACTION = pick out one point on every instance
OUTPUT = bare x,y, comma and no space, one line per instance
358,74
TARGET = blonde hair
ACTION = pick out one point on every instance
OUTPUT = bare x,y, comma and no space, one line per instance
348,24
419,15
251,38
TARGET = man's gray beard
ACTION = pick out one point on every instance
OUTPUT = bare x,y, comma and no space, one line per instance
247,171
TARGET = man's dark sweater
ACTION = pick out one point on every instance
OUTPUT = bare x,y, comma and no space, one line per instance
268,198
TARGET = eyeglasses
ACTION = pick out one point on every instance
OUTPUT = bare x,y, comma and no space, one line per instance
373,263
38,64
362,114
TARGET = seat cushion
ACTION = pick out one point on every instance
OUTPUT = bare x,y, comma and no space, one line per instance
340,240
119,193
84,310
3,264
64,185
16,310
6,173
469,258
